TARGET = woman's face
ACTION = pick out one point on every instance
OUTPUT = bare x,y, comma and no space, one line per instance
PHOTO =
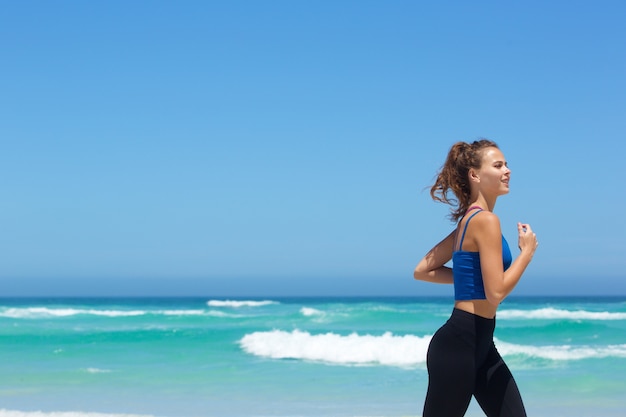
494,173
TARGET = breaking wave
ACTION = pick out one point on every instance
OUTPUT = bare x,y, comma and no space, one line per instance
554,313
238,303
392,350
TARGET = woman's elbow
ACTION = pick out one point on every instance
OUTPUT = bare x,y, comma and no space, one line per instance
495,297
419,273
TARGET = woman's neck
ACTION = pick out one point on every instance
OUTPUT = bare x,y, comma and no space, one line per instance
485,204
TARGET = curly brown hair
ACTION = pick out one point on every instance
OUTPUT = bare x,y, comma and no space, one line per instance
453,176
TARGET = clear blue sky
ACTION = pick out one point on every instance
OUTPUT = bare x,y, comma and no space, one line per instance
258,148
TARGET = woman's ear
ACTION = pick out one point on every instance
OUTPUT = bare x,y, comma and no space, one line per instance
473,175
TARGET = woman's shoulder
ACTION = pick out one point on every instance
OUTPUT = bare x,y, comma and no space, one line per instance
487,220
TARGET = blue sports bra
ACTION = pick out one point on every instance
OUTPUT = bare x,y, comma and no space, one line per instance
468,277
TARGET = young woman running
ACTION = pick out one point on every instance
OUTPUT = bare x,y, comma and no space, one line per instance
462,359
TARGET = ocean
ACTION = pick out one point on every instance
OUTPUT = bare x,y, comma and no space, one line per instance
291,357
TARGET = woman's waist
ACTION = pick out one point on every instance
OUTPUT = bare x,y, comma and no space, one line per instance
481,308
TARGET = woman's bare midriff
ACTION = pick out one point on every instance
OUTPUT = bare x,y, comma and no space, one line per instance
482,308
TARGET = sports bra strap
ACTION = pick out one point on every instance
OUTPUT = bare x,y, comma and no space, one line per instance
465,228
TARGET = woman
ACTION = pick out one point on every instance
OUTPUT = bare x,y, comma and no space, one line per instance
462,359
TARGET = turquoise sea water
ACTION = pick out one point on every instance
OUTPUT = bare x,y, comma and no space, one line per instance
291,356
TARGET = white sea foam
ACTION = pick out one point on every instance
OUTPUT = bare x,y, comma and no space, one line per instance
50,313
45,312
353,349
14,413
239,303
393,350
308,312
550,313
562,352
97,371
184,312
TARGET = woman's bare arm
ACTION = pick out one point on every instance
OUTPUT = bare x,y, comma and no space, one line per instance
488,237
431,268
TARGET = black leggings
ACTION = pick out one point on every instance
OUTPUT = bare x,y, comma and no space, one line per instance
463,361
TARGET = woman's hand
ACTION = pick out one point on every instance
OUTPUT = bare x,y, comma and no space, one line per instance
526,239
